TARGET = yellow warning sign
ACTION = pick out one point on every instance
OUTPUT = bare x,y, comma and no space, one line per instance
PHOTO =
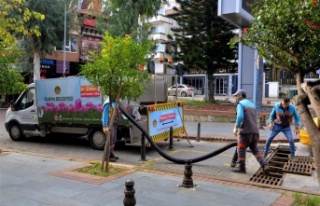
162,117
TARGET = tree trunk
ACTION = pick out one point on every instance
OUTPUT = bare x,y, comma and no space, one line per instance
36,66
106,151
309,94
211,88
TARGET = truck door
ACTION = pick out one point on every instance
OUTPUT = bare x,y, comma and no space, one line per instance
26,108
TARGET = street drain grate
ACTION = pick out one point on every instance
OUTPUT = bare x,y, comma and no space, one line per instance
306,159
282,147
261,148
280,163
298,168
264,179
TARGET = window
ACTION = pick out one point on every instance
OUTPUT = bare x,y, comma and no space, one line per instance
26,100
160,11
71,45
158,29
160,48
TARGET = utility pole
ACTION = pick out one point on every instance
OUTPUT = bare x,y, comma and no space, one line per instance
64,38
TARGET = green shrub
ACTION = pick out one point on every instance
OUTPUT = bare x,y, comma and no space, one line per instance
306,200
95,169
199,104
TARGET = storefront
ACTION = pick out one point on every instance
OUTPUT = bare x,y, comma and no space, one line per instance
198,81
225,84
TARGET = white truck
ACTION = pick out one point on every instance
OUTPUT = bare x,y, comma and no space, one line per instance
70,106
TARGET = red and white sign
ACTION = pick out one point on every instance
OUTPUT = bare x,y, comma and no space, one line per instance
89,22
90,91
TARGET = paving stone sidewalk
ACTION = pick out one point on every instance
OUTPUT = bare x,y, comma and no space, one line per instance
29,180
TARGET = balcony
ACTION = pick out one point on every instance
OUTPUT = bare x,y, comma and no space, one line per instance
169,9
159,20
159,36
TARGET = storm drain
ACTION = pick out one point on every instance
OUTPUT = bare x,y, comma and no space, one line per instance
283,147
280,163
302,168
307,159
264,179
261,148
304,159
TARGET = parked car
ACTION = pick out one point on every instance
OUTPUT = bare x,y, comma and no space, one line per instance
182,90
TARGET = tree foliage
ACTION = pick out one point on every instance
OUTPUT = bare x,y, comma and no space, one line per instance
11,81
287,34
203,39
12,20
117,66
129,17
51,28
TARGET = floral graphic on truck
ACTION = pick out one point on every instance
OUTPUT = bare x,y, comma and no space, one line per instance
78,102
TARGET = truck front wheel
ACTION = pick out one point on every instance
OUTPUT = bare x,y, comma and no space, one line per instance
15,132
97,139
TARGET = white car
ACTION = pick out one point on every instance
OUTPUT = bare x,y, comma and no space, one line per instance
182,90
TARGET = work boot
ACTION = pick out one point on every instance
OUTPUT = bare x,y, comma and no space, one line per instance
113,156
291,157
112,159
265,155
239,169
265,169
233,164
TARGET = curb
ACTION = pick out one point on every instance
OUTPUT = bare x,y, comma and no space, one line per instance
212,138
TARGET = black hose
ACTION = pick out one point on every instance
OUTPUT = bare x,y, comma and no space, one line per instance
165,155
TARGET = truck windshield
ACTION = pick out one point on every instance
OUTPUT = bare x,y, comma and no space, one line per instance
26,99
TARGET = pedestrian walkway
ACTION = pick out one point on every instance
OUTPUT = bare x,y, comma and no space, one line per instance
27,180
223,131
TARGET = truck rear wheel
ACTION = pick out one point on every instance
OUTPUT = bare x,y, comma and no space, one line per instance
97,139
15,132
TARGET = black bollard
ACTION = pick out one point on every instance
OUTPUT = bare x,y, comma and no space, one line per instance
187,180
261,123
171,139
129,199
143,148
198,133
264,121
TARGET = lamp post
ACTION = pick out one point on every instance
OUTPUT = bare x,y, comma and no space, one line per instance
64,38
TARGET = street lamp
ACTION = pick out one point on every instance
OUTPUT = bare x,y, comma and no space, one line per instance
64,38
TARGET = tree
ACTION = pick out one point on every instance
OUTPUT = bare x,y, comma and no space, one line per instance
287,34
11,81
116,72
129,17
51,28
12,20
202,38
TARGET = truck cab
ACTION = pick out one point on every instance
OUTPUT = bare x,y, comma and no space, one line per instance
22,117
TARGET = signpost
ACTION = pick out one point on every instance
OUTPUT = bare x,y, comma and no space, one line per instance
237,12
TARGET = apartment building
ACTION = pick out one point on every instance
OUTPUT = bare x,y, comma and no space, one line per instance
87,38
83,40
161,28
